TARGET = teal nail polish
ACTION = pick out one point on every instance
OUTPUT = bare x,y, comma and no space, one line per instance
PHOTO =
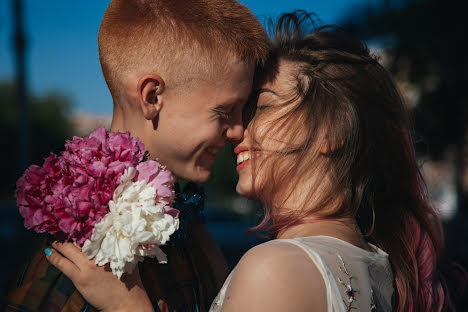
48,251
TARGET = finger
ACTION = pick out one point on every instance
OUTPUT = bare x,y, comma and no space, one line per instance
63,264
72,252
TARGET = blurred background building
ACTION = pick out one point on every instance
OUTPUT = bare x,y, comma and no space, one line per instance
51,88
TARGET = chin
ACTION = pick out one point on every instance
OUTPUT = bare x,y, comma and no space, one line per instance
244,190
199,176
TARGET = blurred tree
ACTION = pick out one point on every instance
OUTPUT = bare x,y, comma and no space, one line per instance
426,50
50,126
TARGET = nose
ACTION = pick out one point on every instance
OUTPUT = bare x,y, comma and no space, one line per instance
235,132
243,140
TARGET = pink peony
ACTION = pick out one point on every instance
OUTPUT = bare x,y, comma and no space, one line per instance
102,152
34,195
71,193
151,172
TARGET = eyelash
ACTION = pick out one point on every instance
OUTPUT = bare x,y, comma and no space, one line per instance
223,114
263,107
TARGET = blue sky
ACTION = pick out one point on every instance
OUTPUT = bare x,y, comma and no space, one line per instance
62,48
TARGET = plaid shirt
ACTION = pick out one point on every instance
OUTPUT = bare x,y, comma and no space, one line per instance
190,281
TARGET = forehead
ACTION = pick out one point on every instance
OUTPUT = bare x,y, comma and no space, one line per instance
280,89
228,82
285,76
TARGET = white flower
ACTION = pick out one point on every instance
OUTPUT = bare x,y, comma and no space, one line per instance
134,228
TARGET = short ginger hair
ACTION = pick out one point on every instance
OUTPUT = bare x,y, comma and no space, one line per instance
143,36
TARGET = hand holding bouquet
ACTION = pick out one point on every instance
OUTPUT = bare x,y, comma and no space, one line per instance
102,194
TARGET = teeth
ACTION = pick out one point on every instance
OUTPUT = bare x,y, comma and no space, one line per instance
243,156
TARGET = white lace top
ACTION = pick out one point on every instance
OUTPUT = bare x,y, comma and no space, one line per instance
355,279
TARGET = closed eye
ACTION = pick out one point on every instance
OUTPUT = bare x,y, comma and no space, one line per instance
221,113
262,107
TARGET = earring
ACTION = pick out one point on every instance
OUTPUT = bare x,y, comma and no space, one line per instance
371,229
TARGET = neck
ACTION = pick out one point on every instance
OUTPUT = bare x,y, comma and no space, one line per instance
125,119
345,229
118,121
122,123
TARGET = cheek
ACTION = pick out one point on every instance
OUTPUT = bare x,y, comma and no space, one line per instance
210,135
267,133
275,139
199,137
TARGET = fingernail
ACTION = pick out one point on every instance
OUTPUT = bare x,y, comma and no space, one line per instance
48,251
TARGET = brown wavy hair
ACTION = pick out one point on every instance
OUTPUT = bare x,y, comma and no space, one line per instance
344,97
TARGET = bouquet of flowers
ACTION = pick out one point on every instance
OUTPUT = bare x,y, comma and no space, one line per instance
102,194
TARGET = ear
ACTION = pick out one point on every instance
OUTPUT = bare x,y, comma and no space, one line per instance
150,87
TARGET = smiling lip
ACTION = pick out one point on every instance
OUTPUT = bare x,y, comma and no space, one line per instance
242,165
239,149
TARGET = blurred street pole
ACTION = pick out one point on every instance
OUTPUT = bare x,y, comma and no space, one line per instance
19,43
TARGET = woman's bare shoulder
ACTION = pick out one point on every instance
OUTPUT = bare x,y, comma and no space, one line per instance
276,276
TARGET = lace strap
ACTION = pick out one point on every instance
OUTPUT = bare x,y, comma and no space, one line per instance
334,300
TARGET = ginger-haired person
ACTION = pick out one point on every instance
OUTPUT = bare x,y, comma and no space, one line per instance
179,73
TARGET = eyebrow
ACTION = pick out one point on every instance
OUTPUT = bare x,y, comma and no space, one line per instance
263,90
222,106
225,105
